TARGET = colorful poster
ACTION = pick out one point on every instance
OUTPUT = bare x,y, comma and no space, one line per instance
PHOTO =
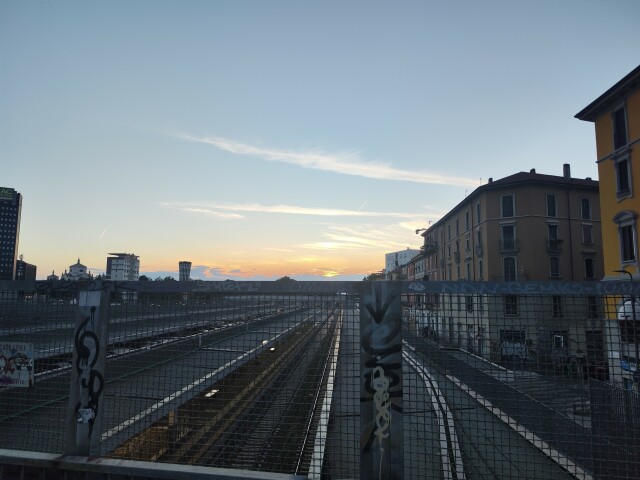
16,364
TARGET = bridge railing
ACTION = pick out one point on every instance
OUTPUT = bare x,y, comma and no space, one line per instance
393,379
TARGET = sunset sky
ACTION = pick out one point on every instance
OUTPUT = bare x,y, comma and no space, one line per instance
266,138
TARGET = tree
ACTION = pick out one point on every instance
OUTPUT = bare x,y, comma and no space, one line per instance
285,279
143,278
375,276
169,278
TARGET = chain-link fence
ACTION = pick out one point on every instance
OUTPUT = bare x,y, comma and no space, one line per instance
327,379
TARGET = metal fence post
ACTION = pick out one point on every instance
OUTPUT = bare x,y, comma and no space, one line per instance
84,412
381,446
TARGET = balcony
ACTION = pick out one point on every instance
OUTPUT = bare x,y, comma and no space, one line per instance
554,245
508,244
429,248
479,250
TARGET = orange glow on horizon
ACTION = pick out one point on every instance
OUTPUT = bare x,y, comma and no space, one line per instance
276,268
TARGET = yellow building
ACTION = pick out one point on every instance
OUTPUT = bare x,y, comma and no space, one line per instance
616,115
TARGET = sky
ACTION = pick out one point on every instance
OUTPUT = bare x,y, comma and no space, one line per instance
261,139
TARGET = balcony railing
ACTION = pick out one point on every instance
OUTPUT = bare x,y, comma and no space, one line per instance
429,248
554,245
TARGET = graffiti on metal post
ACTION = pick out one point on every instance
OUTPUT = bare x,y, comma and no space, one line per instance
381,398
91,380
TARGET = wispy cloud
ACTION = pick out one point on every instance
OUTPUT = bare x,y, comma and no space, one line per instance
203,211
346,163
220,210
361,237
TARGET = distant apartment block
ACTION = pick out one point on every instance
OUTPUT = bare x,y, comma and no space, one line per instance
396,260
616,116
10,211
24,270
122,267
184,271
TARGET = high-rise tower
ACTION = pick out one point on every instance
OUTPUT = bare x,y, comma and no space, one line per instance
184,269
10,209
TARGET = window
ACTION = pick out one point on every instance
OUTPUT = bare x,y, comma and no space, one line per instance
587,234
509,269
478,213
619,128
480,273
559,340
585,209
589,272
457,227
627,235
468,300
466,220
552,229
551,205
592,306
467,245
507,206
508,237
554,267
468,271
511,304
627,243
623,177
557,306
449,231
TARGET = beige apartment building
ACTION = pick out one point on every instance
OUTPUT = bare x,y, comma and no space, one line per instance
524,227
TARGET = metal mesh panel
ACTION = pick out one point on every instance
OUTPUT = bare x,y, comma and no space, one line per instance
32,417
229,380
497,380
519,385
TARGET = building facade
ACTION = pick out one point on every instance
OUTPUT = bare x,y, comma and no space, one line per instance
524,227
10,212
122,267
24,270
76,272
616,116
184,271
394,261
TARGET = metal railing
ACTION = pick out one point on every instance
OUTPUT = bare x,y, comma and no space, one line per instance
318,380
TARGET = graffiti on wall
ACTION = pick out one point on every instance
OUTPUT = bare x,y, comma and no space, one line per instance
90,381
381,391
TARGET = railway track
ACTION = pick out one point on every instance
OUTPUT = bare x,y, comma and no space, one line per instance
262,416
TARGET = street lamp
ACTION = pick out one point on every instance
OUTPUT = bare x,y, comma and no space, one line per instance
418,230
633,315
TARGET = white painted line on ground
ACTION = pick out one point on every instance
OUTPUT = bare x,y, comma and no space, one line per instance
525,433
156,406
443,414
315,468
